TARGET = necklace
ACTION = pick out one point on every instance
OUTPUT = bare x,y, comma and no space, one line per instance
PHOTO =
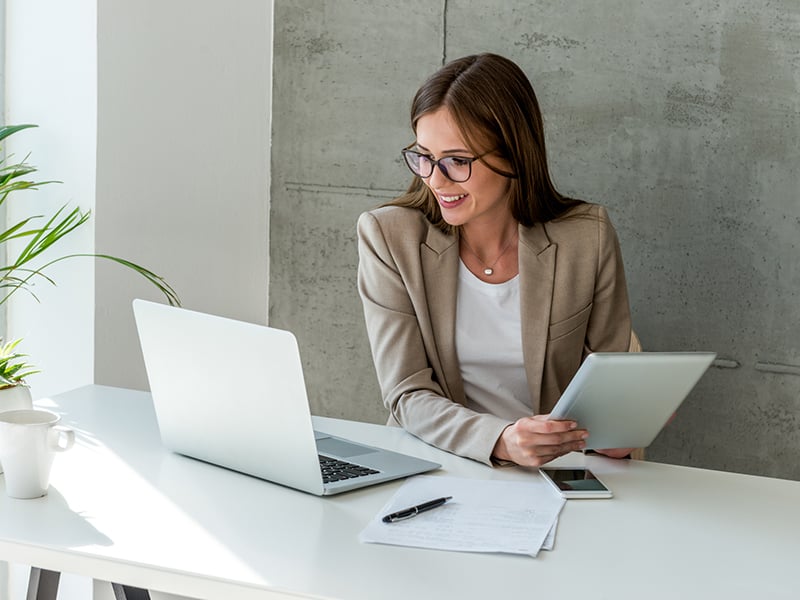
488,269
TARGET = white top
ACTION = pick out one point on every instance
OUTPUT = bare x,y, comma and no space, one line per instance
122,508
489,346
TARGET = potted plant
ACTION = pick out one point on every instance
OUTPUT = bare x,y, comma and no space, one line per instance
37,234
13,371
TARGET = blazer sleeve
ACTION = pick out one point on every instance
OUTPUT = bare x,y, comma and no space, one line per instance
409,385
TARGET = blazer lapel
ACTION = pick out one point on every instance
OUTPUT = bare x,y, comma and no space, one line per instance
439,254
537,263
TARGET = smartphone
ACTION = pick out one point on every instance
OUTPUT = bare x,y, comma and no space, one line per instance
573,482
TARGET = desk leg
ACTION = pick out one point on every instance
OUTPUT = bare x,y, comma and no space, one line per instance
43,584
127,592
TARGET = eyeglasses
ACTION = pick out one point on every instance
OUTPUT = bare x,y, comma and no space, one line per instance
457,169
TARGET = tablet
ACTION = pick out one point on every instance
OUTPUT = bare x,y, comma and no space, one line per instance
624,399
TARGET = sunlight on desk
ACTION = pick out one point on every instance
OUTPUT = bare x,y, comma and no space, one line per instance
121,508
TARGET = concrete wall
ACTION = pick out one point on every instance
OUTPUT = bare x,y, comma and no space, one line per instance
683,119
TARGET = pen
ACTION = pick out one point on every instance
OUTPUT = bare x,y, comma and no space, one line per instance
413,511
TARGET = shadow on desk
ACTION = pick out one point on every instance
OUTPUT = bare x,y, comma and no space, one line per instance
58,525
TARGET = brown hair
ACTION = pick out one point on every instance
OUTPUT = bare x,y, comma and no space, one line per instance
494,106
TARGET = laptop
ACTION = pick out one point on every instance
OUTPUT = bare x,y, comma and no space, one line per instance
233,394
624,399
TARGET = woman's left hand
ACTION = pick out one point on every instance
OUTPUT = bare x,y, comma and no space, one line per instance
615,452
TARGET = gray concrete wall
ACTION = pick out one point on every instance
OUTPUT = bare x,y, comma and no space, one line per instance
683,119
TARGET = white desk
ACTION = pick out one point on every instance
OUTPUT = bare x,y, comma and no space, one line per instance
121,508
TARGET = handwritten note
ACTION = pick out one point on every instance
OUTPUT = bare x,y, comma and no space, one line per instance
483,516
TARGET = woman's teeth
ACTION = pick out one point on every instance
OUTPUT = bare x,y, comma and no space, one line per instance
451,198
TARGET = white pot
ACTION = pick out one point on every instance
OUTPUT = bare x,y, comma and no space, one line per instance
17,397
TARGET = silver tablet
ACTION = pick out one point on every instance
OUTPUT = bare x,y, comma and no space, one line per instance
624,399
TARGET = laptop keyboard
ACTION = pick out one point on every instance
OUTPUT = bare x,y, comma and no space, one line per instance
338,470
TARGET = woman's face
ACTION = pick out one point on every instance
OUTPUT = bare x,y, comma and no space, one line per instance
483,198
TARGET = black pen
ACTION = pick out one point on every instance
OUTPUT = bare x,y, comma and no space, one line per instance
413,511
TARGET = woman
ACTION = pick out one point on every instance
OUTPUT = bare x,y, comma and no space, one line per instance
483,287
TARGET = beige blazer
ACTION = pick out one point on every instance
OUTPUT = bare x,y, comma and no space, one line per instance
573,301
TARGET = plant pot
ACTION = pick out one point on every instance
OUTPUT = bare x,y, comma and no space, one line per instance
15,398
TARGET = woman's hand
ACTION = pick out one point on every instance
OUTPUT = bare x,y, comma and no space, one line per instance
534,441
615,452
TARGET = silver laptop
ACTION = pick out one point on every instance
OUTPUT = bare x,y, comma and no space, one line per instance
232,393
624,399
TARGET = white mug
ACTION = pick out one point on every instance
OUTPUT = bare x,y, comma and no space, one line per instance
14,398
29,440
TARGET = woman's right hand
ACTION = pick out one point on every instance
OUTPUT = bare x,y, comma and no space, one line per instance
534,441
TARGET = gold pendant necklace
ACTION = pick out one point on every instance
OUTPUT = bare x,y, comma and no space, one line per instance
488,270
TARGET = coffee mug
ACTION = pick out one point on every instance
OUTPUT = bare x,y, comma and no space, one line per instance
14,398
29,440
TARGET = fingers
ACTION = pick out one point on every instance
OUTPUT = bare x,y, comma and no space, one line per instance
545,425
551,448
534,441
615,452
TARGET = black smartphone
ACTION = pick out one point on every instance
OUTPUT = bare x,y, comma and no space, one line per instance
575,482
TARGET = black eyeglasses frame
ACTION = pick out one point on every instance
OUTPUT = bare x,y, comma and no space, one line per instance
438,163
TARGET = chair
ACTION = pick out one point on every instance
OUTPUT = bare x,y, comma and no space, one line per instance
635,345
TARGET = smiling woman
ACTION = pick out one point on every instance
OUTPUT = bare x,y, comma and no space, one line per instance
477,202
476,322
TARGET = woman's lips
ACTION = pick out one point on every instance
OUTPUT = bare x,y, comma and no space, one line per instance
451,200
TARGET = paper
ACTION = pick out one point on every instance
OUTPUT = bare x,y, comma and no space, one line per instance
550,540
484,516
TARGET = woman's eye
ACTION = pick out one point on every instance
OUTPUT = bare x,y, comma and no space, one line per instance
459,162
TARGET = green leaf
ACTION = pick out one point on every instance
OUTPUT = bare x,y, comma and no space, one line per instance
7,130
22,271
13,369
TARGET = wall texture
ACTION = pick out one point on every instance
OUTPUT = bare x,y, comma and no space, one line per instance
683,119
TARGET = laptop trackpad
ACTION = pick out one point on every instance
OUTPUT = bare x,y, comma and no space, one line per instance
340,448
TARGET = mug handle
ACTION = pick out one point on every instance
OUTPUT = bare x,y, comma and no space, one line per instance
60,438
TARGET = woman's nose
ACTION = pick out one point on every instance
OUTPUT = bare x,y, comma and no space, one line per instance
437,178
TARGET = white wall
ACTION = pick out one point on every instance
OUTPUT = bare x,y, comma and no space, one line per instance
172,137
51,80
184,102
157,117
